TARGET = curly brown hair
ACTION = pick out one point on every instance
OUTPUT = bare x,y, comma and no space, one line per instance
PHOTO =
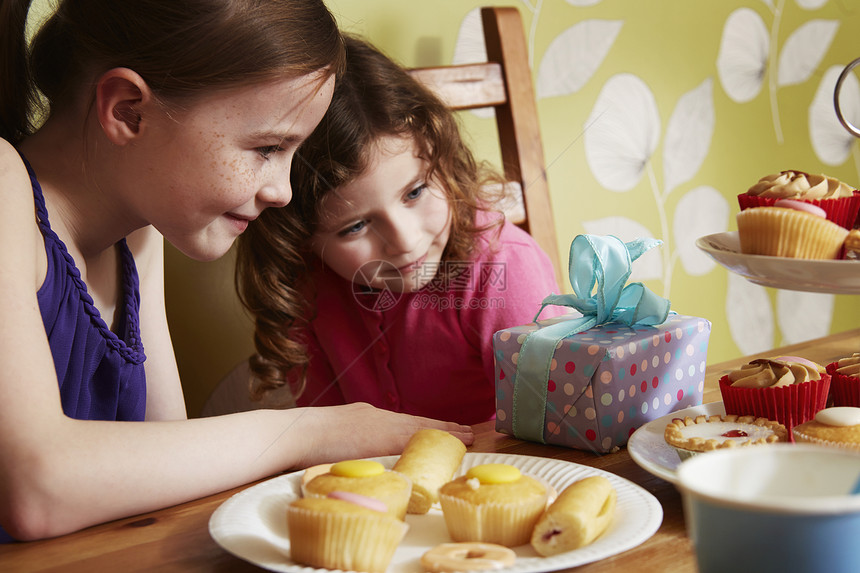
375,97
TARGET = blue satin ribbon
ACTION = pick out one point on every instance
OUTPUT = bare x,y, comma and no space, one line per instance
604,262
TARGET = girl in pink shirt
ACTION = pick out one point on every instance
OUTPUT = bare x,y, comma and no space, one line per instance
385,278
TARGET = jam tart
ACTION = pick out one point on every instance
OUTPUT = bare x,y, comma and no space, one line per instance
690,436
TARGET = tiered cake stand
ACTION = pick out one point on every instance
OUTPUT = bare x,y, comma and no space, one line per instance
825,276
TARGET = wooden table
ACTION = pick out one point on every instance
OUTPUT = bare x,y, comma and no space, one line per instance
177,538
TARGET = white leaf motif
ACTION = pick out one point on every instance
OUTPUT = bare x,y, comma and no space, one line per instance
749,315
803,315
622,132
470,49
803,51
742,59
831,142
688,135
582,3
810,4
700,212
647,267
574,55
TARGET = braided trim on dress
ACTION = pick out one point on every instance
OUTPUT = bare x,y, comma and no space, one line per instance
132,352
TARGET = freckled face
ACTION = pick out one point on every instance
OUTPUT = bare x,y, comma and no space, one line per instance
391,217
210,170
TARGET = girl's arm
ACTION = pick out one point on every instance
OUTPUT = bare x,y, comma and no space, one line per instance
59,474
164,398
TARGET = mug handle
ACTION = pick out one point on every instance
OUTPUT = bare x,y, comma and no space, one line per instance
854,130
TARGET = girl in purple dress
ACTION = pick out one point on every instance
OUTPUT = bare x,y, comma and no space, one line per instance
125,124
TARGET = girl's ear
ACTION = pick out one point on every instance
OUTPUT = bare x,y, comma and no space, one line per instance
121,94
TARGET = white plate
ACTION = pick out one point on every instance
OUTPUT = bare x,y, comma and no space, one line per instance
835,277
651,452
252,524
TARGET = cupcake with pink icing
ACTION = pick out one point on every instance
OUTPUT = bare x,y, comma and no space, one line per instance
837,427
840,202
845,380
786,389
790,228
343,530
365,477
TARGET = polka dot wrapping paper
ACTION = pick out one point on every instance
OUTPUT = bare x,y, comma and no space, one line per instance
607,381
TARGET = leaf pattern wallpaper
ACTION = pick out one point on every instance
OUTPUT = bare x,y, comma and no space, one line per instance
655,116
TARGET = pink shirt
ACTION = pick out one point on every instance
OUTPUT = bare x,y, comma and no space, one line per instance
427,353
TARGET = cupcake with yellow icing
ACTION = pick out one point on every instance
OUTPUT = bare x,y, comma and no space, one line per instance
343,530
837,427
493,503
845,380
364,477
840,202
787,389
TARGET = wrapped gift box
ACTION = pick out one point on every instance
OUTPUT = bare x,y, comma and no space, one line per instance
605,382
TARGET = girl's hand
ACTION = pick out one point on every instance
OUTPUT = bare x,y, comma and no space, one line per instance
360,430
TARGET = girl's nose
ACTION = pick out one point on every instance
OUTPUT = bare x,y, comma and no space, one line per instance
402,237
276,193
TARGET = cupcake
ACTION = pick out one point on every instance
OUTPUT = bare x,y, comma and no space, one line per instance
840,202
365,477
851,246
790,229
691,436
313,471
835,427
787,389
344,531
493,503
845,380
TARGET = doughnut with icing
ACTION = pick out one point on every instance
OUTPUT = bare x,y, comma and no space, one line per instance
582,511
470,556
429,459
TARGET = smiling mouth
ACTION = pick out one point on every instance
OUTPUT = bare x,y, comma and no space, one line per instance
413,265
238,222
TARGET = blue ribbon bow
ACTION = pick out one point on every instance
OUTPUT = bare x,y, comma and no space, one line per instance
604,261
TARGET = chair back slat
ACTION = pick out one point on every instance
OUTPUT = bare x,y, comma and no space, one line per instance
469,86
505,84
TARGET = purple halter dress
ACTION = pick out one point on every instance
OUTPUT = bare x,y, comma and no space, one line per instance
100,373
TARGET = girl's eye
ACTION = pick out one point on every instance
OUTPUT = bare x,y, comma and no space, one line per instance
416,193
352,229
267,150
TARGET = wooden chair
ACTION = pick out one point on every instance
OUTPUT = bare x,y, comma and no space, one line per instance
504,83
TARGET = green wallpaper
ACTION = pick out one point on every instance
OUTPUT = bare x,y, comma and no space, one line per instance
655,115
